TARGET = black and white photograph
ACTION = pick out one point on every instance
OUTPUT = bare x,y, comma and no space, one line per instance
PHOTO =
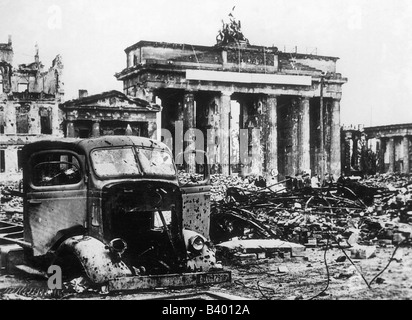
221,151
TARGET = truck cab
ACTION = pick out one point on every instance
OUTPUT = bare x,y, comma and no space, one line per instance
114,208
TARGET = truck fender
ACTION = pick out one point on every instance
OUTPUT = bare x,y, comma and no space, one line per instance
99,263
205,259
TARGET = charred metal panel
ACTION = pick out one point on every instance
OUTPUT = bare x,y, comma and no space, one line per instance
98,262
287,131
196,209
49,212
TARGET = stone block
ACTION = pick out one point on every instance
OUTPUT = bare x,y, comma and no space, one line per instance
311,243
385,242
285,255
298,251
363,252
244,258
261,255
397,238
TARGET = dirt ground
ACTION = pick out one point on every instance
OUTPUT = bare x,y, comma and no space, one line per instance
305,278
308,279
296,278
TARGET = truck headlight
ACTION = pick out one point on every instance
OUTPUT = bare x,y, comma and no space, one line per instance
197,243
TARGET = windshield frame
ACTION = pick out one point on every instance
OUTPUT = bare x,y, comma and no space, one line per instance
117,175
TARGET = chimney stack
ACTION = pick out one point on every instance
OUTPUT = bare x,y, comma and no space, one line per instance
9,43
36,56
83,93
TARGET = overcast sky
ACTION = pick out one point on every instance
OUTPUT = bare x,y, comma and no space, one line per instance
372,38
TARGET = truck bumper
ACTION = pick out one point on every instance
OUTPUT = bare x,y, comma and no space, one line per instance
177,280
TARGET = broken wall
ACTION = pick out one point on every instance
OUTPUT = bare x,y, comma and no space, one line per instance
28,106
49,82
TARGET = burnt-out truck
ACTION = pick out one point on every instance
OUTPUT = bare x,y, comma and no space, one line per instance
112,208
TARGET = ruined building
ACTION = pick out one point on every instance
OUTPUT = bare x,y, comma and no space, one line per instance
292,98
109,113
392,144
357,156
378,149
29,99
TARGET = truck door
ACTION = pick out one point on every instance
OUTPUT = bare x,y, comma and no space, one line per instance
196,196
56,196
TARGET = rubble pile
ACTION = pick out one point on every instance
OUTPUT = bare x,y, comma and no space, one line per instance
220,183
387,180
374,211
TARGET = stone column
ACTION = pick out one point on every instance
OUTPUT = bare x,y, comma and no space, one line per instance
271,152
244,140
304,136
224,110
391,149
405,143
335,145
293,166
179,131
35,114
128,131
348,152
381,155
355,153
189,123
70,130
213,134
96,129
55,121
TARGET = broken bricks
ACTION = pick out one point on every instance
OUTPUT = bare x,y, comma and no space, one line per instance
244,258
308,216
283,269
362,252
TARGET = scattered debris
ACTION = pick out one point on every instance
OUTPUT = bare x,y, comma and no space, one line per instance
363,252
251,223
380,280
373,211
341,259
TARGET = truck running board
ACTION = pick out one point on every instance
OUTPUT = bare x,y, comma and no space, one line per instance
177,280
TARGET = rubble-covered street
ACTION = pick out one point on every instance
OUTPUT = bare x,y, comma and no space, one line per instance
349,240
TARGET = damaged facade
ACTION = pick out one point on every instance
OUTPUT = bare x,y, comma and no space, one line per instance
234,85
32,109
109,113
29,99
378,149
